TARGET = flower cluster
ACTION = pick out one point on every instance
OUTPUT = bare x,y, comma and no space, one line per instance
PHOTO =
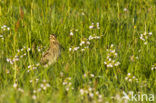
44,85
72,31
153,67
20,54
33,67
131,78
111,60
84,44
91,37
91,93
94,26
144,37
88,75
4,28
67,84
36,80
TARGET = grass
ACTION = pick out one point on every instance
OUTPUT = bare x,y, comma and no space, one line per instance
121,22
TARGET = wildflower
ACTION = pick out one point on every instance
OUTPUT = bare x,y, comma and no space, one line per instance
92,75
70,49
97,24
153,67
91,95
150,33
34,97
91,27
71,34
125,9
67,84
76,48
15,85
81,91
28,49
20,90
129,74
83,42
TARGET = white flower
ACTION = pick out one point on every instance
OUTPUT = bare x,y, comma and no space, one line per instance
109,65
71,34
64,83
28,49
152,68
118,63
150,33
18,50
34,97
82,49
41,85
126,78
81,91
70,49
130,80
4,26
67,89
92,75
37,64
129,74
109,59
8,60
85,75
97,93
20,90
88,42
29,66
15,85
76,48
91,27
100,96
112,45
31,81
34,91
69,78
90,37
69,83
145,43
83,42
90,89
91,95
125,9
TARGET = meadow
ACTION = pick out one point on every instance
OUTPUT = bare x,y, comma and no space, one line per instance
109,53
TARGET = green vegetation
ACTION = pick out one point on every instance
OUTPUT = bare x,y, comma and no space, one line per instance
109,49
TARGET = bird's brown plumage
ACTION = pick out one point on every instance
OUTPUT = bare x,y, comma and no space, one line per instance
51,55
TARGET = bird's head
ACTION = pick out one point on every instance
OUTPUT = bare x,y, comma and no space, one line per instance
52,38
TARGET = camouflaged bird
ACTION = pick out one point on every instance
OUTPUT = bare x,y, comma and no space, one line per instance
52,54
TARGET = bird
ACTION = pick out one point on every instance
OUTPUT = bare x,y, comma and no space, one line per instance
51,55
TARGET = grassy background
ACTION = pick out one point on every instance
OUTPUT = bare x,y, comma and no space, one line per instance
32,21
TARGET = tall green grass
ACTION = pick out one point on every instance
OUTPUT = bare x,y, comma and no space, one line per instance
32,21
